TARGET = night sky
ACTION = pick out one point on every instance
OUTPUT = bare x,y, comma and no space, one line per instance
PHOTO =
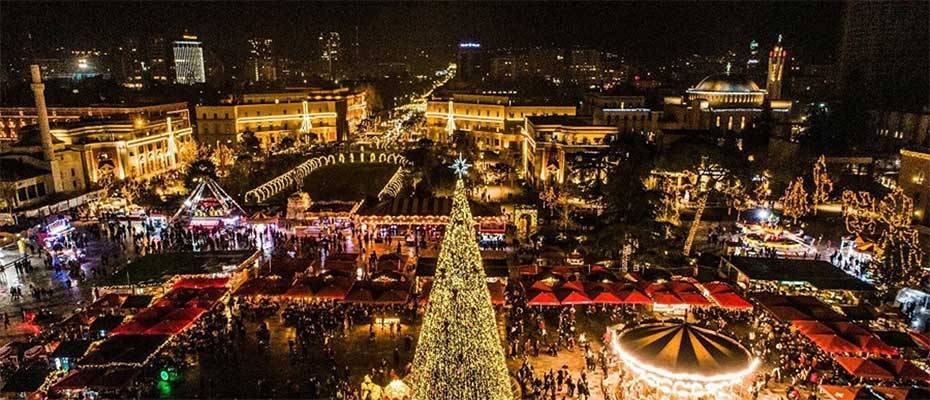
647,30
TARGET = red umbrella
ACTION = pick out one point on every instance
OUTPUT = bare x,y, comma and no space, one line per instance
543,299
360,295
731,300
667,298
606,297
873,345
633,296
902,369
572,297
542,285
812,328
393,297
694,299
336,293
573,285
863,368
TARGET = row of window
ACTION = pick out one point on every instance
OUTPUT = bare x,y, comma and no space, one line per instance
30,192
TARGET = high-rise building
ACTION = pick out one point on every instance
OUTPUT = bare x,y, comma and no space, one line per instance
586,67
883,55
188,61
331,53
155,66
470,62
773,82
261,60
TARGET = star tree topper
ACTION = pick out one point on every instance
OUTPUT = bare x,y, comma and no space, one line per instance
460,167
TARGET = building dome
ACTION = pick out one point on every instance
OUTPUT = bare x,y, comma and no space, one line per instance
727,83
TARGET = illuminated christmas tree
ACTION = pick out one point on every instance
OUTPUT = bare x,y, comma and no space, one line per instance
459,354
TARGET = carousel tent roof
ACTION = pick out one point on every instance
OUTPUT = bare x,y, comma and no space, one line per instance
684,349
208,189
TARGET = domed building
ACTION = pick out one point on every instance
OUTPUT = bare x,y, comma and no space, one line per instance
727,90
726,101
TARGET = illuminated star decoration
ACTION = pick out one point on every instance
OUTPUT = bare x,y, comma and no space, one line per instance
460,167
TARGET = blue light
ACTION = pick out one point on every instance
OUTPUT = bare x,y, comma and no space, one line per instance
470,45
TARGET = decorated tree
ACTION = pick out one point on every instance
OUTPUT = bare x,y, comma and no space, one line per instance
823,185
796,203
899,263
459,354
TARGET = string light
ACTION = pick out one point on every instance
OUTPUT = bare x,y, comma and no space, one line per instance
823,185
459,354
795,202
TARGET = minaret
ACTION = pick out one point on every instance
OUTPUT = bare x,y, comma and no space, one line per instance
45,132
776,69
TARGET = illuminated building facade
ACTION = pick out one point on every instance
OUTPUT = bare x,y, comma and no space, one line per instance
188,61
773,82
905,127
305,115
554,147
135,145
727,101
331,54
261,60
13,119
493,122
914,179
470,62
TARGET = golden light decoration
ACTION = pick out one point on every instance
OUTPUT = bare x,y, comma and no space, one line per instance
459,354
823,185
796,203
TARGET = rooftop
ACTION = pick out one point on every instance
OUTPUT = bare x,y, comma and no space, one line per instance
820,274
12,170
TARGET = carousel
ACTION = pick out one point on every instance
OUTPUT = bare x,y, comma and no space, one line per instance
209,206
679,361
768,236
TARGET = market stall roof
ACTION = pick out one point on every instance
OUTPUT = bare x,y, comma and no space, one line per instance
124,349
332,292
902,369
71,349
137,301
432,206
791,308
99,379
901,340
604,296
299,291
683,349
106,323
819,274
109,300
393,296
631,295
200,283
263,286
360,295
874,392
832,343
542,299
843,334
27,379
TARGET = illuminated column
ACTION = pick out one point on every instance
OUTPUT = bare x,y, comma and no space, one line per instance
776,68
450,122
172,146
122,160
305,123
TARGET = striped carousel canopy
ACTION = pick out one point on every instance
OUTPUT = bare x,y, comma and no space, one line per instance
682,348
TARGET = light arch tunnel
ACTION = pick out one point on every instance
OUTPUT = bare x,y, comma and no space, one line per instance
297,174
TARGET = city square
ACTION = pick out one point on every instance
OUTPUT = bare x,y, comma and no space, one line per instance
361,209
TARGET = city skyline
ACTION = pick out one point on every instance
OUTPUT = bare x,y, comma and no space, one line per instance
649,30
